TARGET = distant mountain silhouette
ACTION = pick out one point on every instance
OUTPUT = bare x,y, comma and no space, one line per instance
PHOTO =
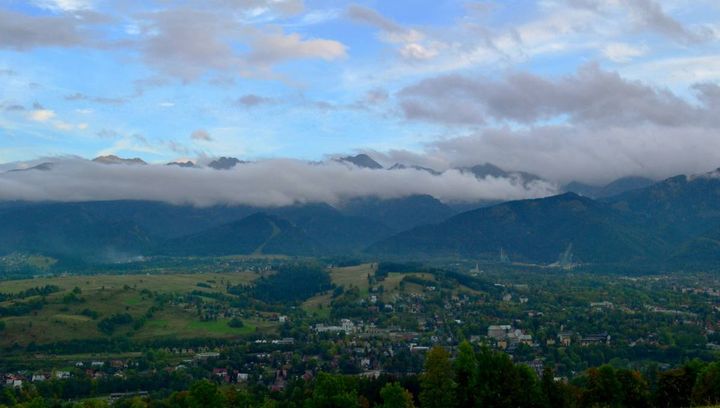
399,213
400,166
615,187
182,164
361,160
47,166
112,159
225,163
673,222
537,230
256,234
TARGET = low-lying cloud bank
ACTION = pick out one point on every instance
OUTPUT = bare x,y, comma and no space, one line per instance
265,183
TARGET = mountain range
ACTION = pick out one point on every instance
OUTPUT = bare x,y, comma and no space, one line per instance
672,222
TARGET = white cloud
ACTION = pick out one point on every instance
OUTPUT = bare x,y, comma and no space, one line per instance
622,52
189,43
677,70
65,126
42,115
417,51
65,5
265,183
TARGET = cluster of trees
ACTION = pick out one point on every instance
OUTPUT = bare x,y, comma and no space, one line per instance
36,291
22,308
109,324
292,283
384,268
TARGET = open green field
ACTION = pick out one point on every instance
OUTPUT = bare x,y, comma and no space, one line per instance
353,276
357,276
163,283
106,295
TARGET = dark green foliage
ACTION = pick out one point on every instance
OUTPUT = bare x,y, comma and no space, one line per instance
418,280
384,268
72,297
347,304
466,367
395,396
470,281
236,323
204,394
500,383
707,386
437,384
7,396
293,283
109,324
22,308
556,394
606,386
333,391
38,291
675,386
90,313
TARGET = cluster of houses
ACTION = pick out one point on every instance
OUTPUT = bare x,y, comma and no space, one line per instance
346,326
17,380
505,337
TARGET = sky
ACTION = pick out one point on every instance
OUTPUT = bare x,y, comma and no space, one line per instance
571,90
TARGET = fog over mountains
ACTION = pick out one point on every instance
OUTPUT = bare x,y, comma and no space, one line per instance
274,182
112,209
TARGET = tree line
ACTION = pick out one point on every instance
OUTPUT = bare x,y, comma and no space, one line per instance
476,377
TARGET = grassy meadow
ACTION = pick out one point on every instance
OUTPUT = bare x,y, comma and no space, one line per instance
106,295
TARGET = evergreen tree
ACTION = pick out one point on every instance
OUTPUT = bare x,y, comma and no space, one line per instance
395,396
465,373
204,394
707,386
674,388
333,391
437,387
